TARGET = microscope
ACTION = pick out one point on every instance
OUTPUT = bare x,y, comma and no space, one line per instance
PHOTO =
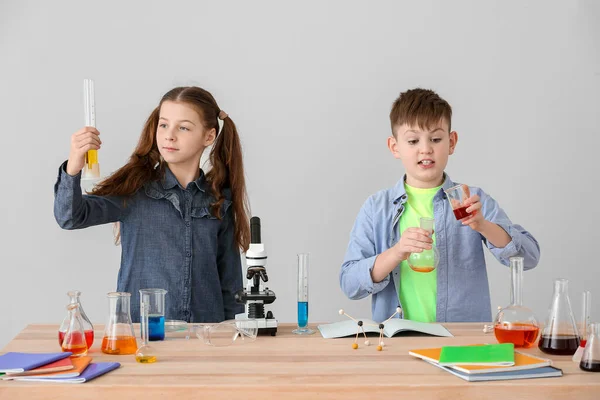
255,296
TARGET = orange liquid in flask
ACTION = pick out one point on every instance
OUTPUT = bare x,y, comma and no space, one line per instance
119,345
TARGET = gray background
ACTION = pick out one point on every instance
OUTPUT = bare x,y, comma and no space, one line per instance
310,85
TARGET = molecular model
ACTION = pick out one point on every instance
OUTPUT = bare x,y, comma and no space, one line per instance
360,328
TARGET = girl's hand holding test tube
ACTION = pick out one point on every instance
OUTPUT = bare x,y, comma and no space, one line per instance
83,140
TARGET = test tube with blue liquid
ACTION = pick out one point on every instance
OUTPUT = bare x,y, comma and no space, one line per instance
303,328
156,313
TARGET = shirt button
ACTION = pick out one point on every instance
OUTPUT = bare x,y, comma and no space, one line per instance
188,254
187,224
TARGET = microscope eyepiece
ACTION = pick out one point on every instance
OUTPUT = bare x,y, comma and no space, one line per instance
255,230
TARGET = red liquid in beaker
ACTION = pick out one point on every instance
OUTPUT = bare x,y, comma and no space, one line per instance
89,338
561,345
461,212
521,335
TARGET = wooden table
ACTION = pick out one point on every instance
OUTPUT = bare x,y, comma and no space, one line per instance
293,367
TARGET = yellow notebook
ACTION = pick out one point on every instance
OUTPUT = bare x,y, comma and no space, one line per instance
522,362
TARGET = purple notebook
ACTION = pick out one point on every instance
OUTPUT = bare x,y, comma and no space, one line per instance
20,362
92,371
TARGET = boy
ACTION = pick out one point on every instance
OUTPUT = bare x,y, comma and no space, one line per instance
386,230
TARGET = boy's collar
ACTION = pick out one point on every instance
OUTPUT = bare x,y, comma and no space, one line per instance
400,190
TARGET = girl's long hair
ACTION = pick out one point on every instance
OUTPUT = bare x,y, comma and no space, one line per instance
225,157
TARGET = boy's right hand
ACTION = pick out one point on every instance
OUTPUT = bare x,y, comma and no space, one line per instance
413,240
83,140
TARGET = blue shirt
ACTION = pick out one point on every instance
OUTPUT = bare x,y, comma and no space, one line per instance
462,285
169,240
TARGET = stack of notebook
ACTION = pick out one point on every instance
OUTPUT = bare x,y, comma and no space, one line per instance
52,367
487,362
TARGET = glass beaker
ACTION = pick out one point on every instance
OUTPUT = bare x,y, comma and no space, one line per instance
516,324
303,328
584,325
457,196
156,312
590,360
427,260
74,339
88,328
145,354
560,335
118,334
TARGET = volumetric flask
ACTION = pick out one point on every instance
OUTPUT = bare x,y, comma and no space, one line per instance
74,339
584,325
560,335
427,260
590,360
516,324
156,312
145,354
87,325
118,334
303,328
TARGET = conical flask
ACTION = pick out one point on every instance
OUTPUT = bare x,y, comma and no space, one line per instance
88,328
516,323
560,335
427,260
74,339
118,334
590,360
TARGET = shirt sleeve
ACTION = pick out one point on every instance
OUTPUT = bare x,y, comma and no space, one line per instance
74,210
229,266
355,274
522,243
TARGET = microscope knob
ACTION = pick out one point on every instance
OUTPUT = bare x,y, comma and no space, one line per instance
269,315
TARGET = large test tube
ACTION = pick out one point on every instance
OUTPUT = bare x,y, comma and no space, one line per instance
92,167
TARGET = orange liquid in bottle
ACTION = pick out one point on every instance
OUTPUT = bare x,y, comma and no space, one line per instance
119,345
521,335
422,269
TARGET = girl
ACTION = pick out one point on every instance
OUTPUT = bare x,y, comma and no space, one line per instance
180,230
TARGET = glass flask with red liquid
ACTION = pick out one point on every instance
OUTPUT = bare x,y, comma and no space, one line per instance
560,335
584,325
74,339
516,323
428,259
88,328
590,360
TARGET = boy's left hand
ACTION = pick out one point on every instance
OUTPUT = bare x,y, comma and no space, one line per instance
476,220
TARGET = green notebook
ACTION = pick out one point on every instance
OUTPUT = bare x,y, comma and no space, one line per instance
487,354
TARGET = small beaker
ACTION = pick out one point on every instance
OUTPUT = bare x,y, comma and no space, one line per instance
156,312
74,339
590,360
560,335
88,328
457,196
303,328
428,259
119,337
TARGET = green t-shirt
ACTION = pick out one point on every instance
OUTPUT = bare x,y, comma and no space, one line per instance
418,290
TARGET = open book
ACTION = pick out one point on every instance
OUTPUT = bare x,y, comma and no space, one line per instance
391,328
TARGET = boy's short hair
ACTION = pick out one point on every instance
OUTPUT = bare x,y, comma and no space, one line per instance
419,107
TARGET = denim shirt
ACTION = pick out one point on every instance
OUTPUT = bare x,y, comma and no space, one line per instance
169,240
462,284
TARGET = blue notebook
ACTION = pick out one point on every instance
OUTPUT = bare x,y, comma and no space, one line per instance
541,372
92,371
20,362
